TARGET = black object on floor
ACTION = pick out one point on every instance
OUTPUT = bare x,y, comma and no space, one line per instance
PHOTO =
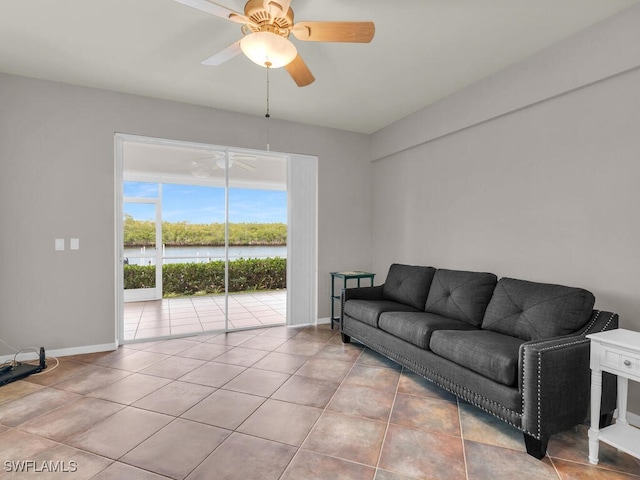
21,370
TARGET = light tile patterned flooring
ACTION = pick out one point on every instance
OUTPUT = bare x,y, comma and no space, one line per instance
275,403
193,315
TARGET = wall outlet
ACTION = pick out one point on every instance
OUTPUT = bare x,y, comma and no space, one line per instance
59,244
74,244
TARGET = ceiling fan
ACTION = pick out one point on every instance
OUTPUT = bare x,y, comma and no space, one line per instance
266,26
204,167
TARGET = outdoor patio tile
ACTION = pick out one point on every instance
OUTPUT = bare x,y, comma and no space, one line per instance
130,389
176,449
213,374
315,466
119,433
144,333
281,421
224,408
247,458
157,324
178,321
350,438
257,382
174,398
186,329
423,455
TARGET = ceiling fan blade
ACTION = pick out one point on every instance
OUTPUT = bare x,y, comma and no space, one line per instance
300,72
353,32
223,55
217,10
246,166
277,8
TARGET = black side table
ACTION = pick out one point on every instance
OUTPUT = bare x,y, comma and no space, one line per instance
345,276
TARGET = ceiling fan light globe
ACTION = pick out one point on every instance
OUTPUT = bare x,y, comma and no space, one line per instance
268,49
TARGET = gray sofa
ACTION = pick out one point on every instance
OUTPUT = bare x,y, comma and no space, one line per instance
513,348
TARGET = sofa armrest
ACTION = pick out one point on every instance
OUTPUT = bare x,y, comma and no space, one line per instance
358,293
555,379
362,293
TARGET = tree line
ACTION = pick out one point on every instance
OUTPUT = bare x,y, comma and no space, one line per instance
140,233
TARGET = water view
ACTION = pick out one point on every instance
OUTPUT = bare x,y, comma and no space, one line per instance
200,254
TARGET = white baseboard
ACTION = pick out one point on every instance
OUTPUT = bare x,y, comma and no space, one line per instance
633,419
62,352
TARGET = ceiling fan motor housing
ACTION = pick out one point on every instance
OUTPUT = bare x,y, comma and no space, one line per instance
280,25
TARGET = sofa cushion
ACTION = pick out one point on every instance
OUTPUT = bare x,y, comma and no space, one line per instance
417,328
369,311
533,311
408,284
488,353
461,295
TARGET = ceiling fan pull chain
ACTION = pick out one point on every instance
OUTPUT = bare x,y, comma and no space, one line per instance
268,116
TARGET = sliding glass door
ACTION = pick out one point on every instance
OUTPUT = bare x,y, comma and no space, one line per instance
204,239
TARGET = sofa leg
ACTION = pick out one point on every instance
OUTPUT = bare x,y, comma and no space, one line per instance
536,448
345,338
606,419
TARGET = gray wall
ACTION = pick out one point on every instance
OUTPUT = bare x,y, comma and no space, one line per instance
532,173
57,181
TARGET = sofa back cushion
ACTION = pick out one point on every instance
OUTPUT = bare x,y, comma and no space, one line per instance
461,295
408,284
534,311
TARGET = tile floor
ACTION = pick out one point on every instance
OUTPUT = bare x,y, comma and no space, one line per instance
187,315
275,403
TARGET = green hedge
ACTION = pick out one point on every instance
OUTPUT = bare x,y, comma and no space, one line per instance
208,278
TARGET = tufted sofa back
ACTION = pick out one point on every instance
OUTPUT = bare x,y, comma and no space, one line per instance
408,284
461,295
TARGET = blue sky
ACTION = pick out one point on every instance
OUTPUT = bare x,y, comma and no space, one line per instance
196,204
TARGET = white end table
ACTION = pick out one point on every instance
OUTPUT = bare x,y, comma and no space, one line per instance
618,352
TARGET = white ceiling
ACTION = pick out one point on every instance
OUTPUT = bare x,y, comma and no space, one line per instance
423,50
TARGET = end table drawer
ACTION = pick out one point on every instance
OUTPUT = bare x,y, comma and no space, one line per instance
621,360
